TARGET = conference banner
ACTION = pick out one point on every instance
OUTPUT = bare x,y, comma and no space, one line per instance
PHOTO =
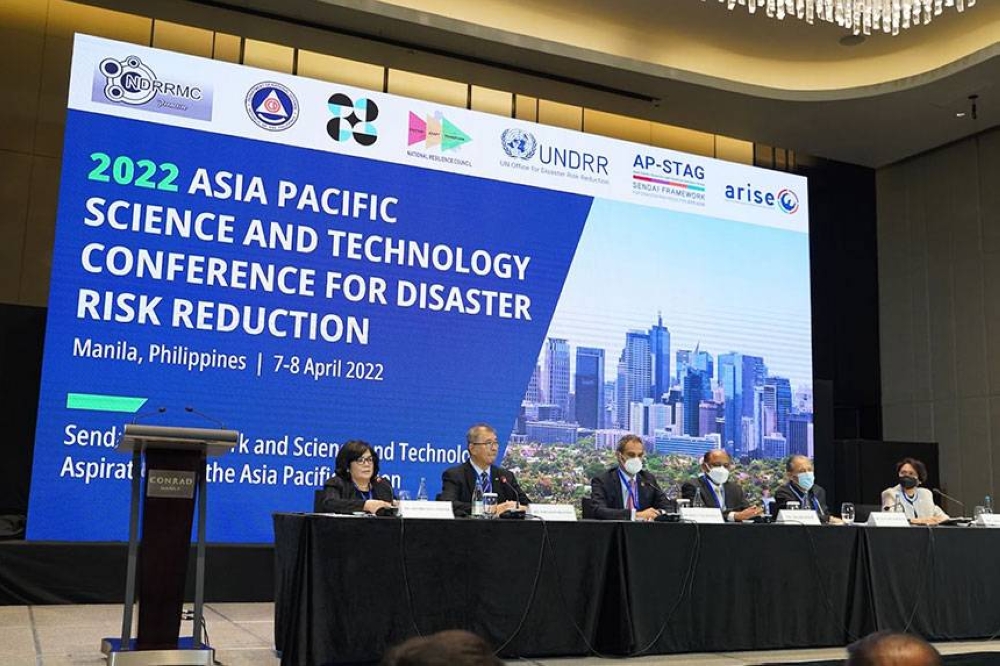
310,263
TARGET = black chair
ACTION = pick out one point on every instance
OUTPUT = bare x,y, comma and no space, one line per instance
862,511
318,501
587,505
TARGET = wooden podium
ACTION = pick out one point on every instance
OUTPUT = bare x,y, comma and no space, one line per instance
174,476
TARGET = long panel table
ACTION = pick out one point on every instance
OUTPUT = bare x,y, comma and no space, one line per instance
348,588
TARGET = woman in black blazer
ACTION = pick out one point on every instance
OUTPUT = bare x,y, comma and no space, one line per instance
355,485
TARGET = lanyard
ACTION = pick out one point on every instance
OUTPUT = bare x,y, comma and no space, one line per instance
364,495
633,489
802,498
488,486
711,486
912,502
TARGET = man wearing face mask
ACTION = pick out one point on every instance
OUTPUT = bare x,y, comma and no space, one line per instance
800,486
626,492
717,491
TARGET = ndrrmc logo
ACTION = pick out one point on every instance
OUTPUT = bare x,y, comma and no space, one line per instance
129,81
518,143
788,202
352,119
272,106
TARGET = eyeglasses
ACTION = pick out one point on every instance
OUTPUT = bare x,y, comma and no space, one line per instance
366,460
492,444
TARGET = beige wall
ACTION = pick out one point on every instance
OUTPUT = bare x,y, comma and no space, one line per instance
939,292
35,50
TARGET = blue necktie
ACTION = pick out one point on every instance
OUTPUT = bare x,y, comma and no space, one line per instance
484,481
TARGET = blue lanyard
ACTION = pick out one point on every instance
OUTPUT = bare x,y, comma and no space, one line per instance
802,498
633,490
363,494
488,486
912,502
711,487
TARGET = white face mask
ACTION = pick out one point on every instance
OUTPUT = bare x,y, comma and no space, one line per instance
633,466
718,475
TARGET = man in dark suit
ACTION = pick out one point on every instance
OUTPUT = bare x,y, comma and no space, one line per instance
459,482
627,492
716,490
800,486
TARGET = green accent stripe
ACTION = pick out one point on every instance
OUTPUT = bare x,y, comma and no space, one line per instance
104,403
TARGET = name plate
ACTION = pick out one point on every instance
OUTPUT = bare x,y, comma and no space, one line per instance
799,517
988,520
887,519
557,512
423,509
706,515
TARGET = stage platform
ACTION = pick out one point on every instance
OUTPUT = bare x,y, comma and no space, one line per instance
242,633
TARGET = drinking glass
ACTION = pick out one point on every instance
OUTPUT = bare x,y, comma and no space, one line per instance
490,505
793,506
978,511
847,512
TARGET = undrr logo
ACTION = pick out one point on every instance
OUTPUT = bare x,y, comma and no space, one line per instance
352,119
518,143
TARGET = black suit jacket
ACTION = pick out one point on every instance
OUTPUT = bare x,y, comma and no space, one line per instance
340,496
816,499
735,499
459,482
608,502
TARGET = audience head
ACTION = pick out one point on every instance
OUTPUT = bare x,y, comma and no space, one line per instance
483,444
799,470
357,461
445,648
630,453
911,472
888,648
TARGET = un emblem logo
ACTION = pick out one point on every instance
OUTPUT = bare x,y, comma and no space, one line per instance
352,119
518,143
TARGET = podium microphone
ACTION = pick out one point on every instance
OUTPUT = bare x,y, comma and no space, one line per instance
191,410
938,491
515,514
148,412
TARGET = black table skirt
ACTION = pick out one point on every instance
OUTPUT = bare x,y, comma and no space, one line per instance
349,588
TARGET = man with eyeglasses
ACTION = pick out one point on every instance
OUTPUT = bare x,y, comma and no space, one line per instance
627,492
459,483
716,490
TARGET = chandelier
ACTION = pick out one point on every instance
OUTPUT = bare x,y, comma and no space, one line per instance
860,16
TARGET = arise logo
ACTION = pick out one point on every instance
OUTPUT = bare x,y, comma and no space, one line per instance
784,199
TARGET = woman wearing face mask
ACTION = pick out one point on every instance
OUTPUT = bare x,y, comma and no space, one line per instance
916,502
800,486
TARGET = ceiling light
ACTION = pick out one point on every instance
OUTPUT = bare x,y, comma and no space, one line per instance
859,16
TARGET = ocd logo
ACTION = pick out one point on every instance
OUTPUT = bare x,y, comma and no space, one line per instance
352,119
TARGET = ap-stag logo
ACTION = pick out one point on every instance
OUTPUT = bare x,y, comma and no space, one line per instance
352,119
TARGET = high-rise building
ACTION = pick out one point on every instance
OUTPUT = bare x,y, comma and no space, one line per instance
555,374
774,446
533,393
589,387
708,417
646,417
799,429
551,432
638,361
780,397
683,361
694,392
739,375
659,347
621,395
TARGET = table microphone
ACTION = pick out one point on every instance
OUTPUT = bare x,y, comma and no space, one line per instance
515,514
938,491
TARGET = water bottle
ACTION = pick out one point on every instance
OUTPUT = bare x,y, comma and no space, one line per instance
988,504
422,490
477,501
897,506
696,501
